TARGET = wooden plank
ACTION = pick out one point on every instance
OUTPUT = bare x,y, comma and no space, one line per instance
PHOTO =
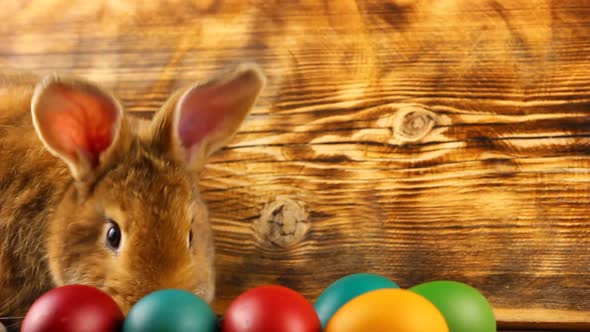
536,330
424,139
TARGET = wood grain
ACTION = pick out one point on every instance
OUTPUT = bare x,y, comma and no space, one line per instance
423,139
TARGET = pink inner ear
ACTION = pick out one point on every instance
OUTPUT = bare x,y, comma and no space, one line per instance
208,115
199,117
77,120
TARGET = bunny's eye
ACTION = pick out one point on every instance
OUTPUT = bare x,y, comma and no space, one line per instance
190,239
113,237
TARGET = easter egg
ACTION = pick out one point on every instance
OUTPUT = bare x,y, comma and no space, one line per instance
73,308
465,309
388,310
345,289
270,308
170,310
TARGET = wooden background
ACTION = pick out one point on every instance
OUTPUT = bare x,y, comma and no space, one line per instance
423,140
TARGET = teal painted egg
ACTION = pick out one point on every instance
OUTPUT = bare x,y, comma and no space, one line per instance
464,308
170,310
345,289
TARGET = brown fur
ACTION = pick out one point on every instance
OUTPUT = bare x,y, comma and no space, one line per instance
52,225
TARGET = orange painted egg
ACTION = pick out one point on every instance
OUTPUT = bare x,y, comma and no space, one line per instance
388,310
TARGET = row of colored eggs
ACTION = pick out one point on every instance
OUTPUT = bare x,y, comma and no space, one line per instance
369,302
358,302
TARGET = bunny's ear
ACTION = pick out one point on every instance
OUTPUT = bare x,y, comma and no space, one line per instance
201,119
77,122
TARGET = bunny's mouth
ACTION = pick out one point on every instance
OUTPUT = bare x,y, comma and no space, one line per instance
124,300
124,304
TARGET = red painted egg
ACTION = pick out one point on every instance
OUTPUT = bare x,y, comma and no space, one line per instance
271,308
73,308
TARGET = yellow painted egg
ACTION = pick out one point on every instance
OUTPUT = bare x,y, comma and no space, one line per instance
388,310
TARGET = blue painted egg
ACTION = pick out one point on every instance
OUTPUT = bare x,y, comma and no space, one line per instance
170,310
345,289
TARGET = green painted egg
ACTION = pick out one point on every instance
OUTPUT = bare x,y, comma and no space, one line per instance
465,309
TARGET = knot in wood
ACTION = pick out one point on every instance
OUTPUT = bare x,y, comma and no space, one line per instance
282,223
413,123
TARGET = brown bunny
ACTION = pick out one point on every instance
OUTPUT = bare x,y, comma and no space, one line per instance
90,195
